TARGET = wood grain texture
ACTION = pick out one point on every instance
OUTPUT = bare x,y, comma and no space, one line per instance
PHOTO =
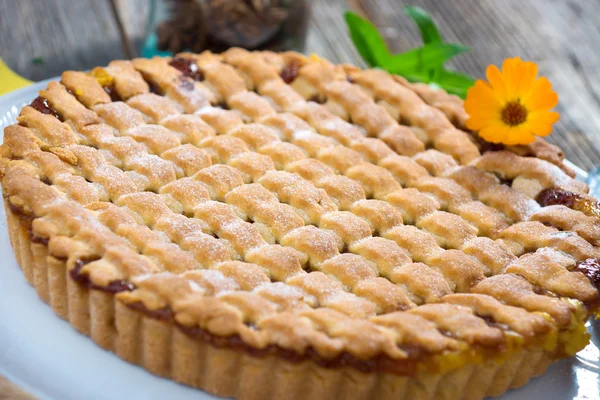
134,17
64,34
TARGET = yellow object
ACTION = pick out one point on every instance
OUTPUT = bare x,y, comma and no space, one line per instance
514,107
102,76
9,80
315,57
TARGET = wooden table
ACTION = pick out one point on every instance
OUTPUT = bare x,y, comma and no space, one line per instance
41,38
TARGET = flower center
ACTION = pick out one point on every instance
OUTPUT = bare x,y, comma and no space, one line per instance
514,113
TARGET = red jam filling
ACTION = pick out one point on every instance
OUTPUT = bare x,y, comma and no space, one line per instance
290,72
44,107
591,269
40,240
115,286
188,67
19,212
163,314
152,85
549,197
110,90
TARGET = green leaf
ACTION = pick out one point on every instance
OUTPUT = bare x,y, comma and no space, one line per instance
459,91
428,57
456,79
418,76
451,82
424,64
368,41
454,82
429,32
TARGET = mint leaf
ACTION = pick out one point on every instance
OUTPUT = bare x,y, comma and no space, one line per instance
459,91
454,82
452,78
429,32
368,41
418,76
451,82
424,64
427,58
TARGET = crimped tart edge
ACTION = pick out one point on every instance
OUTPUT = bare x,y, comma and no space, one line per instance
165,350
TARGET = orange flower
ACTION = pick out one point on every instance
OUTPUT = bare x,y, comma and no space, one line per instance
514,106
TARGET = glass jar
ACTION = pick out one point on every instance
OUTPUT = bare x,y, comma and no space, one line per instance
216,25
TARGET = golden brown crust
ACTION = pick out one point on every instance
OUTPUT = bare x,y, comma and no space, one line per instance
280,222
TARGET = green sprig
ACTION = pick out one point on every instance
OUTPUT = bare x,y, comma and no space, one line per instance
422,64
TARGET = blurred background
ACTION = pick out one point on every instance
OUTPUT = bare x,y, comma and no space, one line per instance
41,38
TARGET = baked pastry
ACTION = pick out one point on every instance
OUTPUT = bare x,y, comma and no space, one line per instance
273,226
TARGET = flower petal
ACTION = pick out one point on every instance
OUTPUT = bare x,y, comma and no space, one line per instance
541,97
480,122
496,80
484,92
527,77
540,123
519,135
517,82
481,101
494,133
511,71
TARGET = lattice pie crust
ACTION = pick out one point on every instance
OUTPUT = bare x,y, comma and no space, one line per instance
273,226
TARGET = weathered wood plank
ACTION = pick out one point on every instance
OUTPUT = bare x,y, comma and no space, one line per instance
62,34
134,16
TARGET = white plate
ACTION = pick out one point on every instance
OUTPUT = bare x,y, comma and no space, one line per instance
44,355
